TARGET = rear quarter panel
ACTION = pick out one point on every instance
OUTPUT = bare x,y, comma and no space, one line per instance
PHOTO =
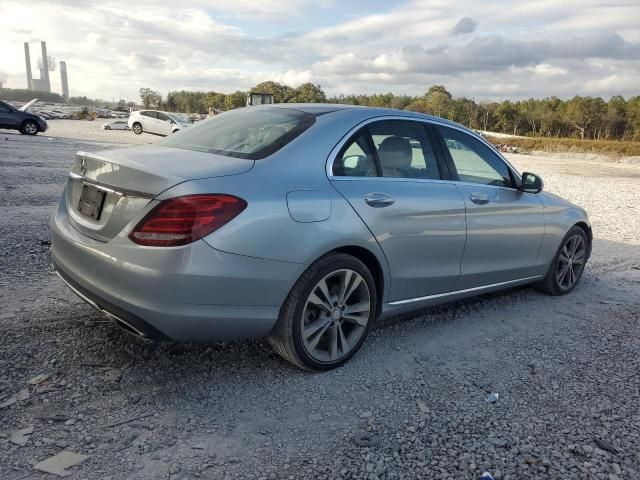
266,228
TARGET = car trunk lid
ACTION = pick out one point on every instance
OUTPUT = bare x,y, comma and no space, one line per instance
107,190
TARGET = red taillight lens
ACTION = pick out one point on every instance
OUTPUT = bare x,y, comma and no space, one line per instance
183,220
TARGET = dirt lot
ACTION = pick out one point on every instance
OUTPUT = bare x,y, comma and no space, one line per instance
411,404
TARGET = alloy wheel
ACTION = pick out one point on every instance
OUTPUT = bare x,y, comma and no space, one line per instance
335,315
571,262
30,128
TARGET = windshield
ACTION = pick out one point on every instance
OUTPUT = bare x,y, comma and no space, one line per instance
178,118
252,133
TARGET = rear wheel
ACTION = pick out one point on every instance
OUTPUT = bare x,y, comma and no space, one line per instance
327,315
137,128
568,264
29,128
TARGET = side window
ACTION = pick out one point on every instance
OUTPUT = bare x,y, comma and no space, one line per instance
162,116
4,107
149,114
474,161
355,159
404,149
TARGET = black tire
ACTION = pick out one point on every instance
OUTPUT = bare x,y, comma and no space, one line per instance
29,127
137,128
286,336
551,284
107,127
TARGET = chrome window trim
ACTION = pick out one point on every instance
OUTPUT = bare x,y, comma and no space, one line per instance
336,150
466,290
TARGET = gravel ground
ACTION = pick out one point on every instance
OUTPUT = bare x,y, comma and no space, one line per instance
411,404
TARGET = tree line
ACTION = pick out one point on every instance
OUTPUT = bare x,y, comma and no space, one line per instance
579,117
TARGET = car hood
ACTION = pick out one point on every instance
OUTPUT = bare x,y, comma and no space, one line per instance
24,107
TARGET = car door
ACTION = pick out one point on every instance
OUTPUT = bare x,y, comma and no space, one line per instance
8,117
390,175
149,121
164,123
505,226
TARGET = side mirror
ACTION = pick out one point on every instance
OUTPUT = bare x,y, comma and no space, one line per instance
531,183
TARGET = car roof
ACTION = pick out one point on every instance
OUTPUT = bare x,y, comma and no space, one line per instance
359,111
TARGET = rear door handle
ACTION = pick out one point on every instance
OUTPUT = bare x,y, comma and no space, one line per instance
479,198
378,200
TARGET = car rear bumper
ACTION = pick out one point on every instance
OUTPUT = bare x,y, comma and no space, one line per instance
190,293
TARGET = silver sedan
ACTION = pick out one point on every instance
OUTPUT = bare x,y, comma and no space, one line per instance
305,224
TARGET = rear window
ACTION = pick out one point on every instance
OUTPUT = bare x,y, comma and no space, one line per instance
252,133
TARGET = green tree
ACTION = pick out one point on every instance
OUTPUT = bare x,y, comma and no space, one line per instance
508,118
150,98
281,93
236,99
583,112
308,93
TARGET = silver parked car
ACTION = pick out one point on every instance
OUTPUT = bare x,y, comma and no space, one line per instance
116,125
306,223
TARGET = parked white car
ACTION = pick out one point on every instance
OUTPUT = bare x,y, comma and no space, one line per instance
117,125
157,122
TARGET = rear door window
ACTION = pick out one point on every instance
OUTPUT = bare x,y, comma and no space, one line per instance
252,133
404,150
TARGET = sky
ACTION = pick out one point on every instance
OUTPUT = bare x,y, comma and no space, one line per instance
481,50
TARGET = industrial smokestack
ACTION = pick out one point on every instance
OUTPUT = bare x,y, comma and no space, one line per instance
44,74
63,81
27,59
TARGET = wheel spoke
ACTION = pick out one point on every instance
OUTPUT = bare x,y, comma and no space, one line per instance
579,257
574,245
345,280
319,302
362,307
316,339
562,275
322,286
333,349
313,327
344,348
355,283
358,320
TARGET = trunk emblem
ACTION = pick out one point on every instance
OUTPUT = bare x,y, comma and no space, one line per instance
83,166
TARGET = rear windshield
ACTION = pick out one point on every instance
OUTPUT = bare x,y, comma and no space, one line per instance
252,132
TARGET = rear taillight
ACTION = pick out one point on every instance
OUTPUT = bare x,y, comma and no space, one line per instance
183,220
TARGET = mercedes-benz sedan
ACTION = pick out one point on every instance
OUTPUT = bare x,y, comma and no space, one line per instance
306,223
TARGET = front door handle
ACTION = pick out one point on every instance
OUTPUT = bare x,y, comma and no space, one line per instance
378,200
479,198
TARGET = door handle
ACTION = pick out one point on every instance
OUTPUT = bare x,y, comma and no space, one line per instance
378,200
479,198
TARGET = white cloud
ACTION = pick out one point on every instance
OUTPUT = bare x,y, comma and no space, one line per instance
492,49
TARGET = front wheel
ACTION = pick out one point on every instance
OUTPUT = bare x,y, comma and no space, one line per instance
568,264
327,315
29,128
137,128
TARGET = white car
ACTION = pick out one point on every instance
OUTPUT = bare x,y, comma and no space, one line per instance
157,122
117,125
